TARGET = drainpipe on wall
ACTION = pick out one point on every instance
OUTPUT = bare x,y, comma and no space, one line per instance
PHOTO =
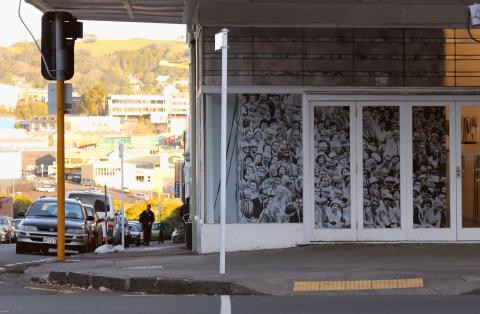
193,139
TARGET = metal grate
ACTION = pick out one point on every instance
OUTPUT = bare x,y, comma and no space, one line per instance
147,267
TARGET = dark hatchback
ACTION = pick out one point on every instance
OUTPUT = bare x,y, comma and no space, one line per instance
38,230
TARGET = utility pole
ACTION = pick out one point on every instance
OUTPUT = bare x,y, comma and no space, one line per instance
60,77
59,32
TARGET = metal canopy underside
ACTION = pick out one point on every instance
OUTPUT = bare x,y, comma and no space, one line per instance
283,13
153,11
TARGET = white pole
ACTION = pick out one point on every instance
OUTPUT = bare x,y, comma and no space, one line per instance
121,152
223,150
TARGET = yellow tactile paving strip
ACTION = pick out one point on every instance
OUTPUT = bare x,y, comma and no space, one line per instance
351,285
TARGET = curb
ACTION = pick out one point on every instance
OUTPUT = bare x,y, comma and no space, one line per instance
155,285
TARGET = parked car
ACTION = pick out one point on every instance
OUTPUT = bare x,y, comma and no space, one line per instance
167,231
77,177
97,227
7,231
45,188
118,231
29,176
15,223
136,233
104,210
178,235
38,230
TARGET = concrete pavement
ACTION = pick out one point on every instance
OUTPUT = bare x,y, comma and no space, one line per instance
444,269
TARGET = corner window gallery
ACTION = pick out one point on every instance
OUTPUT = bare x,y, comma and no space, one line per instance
377,143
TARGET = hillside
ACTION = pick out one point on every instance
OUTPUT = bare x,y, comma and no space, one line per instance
110,63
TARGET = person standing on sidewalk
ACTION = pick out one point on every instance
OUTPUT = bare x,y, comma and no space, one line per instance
161,236
146,219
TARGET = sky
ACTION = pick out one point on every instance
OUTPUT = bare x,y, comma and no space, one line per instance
103,30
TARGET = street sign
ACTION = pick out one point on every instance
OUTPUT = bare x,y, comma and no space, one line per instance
67,98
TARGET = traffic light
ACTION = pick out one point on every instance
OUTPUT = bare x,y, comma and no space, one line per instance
72,29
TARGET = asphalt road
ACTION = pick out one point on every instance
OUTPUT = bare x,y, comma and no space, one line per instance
9,258
31,298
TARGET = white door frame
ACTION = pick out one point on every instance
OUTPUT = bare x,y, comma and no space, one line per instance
381,234
432,234
462,233
323,234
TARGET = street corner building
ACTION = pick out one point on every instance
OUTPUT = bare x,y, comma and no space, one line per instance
346,121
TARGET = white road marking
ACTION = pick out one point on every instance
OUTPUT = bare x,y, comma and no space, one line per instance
225,306
31,262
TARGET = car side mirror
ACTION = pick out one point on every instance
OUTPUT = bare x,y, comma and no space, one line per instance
21,213
90,218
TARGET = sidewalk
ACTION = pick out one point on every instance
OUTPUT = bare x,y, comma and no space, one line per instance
448,269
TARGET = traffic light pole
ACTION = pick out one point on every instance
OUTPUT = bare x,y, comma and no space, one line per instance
60,77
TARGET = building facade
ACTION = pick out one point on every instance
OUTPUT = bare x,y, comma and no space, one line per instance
347,121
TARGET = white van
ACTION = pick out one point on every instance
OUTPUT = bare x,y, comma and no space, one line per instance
105,212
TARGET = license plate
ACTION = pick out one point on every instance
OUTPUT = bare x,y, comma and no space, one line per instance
50,240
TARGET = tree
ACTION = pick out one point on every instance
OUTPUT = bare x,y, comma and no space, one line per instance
143,126
93,101
28,109
22,203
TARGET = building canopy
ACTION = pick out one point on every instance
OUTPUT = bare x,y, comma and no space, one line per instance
343,13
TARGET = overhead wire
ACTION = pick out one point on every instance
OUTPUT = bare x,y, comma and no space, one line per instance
34,40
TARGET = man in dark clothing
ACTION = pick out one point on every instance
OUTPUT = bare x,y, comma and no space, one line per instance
146,219
185,210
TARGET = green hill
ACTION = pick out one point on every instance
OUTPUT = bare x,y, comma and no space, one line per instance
107,62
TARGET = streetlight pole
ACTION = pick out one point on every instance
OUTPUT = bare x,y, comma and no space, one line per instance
221,42
121,149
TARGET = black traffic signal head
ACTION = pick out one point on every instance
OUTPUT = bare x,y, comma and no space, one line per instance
72,29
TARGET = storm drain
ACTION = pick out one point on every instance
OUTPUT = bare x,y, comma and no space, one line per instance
147,267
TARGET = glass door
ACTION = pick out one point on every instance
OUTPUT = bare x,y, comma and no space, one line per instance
468,171
381,156
431,188
332,160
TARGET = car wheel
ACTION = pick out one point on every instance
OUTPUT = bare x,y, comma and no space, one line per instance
21,248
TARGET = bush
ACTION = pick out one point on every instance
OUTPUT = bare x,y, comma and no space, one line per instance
22,203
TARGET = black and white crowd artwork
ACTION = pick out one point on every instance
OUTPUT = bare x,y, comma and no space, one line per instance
270,158
381,167
430,160
332,167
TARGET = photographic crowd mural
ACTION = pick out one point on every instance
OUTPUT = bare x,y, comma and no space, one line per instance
381,167
269,159
332,167
430,160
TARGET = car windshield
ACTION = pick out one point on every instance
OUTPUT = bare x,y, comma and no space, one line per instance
89,210
135,227
90,199
49,209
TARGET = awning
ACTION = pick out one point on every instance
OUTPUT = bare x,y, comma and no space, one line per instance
152,11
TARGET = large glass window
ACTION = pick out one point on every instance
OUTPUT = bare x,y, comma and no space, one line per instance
470,166
264,158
